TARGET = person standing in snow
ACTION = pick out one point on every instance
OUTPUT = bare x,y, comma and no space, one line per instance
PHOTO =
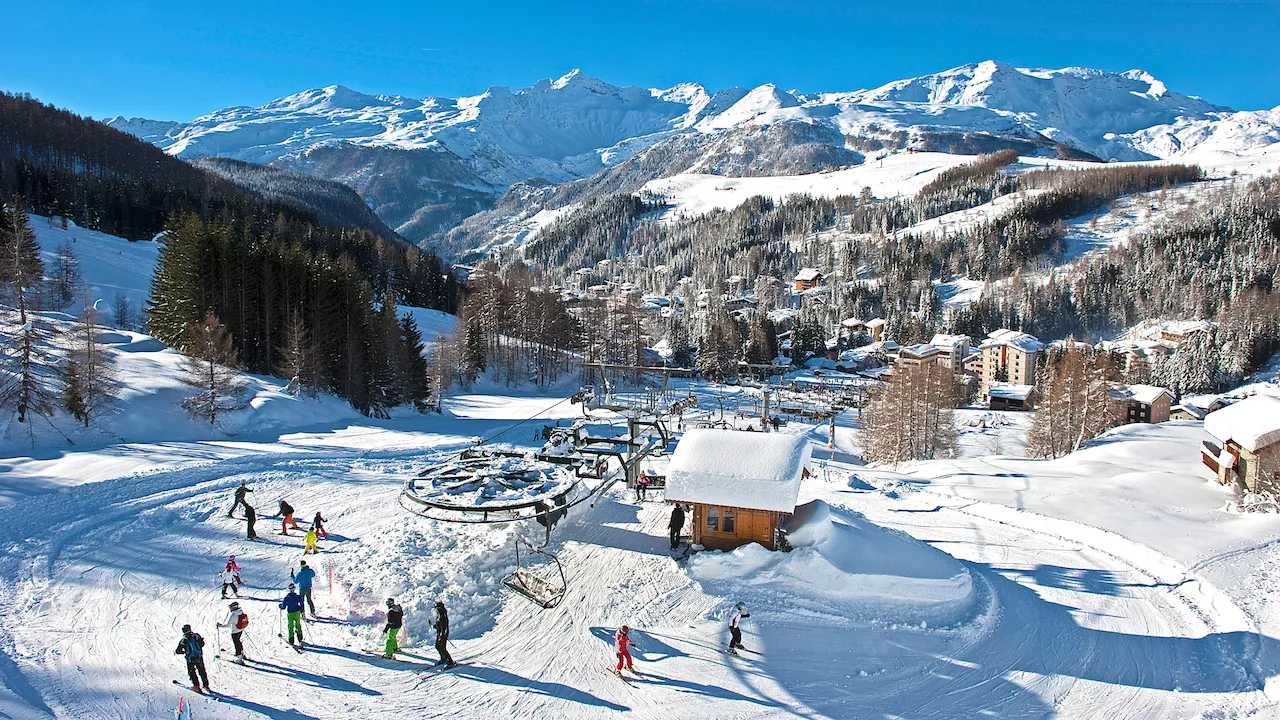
240,493
250,517
236,621
676,524
292,606
395,620
230,581
622,646
309,542
735,627
441,623
317,524
286,515
304,577
233,566
191,648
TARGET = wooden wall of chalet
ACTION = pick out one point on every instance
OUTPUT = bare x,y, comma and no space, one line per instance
749,526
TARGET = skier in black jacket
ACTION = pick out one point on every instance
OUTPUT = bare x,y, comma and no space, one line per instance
441,625
191,647
240,493
250,517
676,525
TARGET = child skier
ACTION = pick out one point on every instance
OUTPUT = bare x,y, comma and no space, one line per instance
309,542
240,493
317,524
735,627
233,566
292,605
304,577
237,620
622,646
230,581
191,648
395,620
286,515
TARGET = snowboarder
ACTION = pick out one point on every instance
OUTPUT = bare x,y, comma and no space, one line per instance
622,646
676,524
304,577
309,542
395,619
191,648
230,581
317,524
237,620
441,624
286,518
240,493
292,605
250,517
735,627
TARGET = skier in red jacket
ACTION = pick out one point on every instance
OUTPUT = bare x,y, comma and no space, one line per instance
622,645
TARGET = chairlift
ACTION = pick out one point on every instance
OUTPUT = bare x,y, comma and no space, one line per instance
538,587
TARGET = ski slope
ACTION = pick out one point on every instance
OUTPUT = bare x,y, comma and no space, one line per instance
1064,619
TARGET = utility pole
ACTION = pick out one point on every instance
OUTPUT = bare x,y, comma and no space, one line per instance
764,416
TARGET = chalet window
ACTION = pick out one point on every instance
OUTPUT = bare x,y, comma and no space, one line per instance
728,521
713,519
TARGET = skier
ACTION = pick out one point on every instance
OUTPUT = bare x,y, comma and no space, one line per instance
309,542
286,515
233,566
240,493
395,619
292,605
441,624
735,627
622,646
676,525
250,517
230,581
317,524
237,620
642,486
191,648
304,577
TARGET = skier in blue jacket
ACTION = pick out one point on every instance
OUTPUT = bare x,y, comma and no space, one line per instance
191,648
304,577
292,605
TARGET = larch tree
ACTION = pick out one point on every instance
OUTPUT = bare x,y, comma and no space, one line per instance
89,377
211,369
64,277
297,358
26,360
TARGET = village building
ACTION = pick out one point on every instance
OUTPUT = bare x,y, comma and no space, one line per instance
807,279
1247,450
1196,407
973,364
1177,332
875,328
742,485
918,355
1011,396
1139,403
1009,356
955,348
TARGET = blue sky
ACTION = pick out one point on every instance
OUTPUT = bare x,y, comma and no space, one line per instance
176,60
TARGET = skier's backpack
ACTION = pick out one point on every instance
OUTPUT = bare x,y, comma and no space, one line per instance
243,621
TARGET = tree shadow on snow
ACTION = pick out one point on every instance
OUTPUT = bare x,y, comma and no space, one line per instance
265,710
325,681
497,676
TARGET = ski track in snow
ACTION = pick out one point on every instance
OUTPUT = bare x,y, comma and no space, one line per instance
104,578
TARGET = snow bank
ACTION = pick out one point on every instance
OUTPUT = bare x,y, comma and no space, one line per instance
844,570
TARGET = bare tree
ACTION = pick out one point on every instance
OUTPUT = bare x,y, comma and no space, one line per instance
210,368
123,312
911,417
298,358
89,378
64,277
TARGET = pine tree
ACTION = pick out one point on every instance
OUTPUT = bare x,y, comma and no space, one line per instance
23,387
473,355
20,268
417,378
177,287
210,368
679,342
89,380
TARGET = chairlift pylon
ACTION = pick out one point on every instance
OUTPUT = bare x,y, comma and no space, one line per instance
538,588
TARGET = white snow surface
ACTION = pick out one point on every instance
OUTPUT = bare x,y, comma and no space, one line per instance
109,265
760,471
1253,423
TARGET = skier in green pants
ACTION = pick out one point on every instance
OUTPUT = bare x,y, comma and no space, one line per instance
395,619
292,605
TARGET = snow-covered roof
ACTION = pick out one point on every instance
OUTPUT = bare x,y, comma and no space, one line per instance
760,471
1010,391
1145,394
808,275
943,340
1253,423
875,322
1013,338
920,350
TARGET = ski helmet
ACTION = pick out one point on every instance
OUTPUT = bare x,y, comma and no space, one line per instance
304,563
625,629
186,628
391,601
741,606
292,586
235,606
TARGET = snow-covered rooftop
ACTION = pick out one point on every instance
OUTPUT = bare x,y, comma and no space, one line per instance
1253,423
943,340
808,275
1145,394
1010,391
1013,338
760,471
920,350
875,322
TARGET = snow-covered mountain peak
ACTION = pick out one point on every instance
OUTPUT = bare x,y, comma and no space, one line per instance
762,100
331,97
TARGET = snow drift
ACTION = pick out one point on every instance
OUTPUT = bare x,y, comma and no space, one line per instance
845,571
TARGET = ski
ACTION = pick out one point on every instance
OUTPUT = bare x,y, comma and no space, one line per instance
620,676
286,642
244,662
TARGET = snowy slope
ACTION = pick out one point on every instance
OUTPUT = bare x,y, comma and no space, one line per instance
109,265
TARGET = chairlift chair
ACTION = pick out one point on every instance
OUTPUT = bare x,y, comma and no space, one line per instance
540,588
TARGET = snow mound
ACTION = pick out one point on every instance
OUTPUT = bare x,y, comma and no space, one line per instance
844,570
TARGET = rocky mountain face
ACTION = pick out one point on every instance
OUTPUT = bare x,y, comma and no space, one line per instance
427,165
